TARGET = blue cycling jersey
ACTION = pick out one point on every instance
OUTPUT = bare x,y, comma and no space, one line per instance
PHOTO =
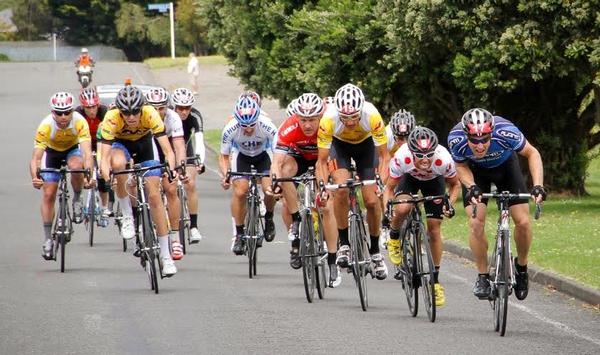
506,139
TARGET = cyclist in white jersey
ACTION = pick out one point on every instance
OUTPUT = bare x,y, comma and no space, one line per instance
422,164
159,98
247,140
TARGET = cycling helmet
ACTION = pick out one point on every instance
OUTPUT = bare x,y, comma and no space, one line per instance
349,99
308,105
89,97
84,50
422,140
253,95
183,97
61,101
290,109
402,123
246,111
157,96
477,122
130,99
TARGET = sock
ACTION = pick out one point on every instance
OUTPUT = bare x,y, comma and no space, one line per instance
163,241
520,268
295,217
269,215
374,247
435,275
331,258
125,206
394,234
239,230
486,275
47,230
174,236
193,221
343,236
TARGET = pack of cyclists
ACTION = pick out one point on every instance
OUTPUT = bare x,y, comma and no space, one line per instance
341,137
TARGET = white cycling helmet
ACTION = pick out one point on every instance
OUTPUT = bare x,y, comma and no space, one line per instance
61,102
349,99
308,105
290,109
477,122
183,97
157,96
84,50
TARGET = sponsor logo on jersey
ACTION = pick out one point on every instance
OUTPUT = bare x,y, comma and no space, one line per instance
454,141
509,134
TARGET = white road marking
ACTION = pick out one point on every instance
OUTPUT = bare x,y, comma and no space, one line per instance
565,328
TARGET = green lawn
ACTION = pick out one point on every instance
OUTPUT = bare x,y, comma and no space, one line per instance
566,239
168,62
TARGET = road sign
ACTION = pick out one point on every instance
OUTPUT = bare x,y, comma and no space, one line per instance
159,7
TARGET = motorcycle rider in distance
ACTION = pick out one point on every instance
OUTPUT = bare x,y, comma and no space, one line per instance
84,64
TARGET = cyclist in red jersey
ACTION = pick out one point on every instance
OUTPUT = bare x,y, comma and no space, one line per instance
295,152
93,112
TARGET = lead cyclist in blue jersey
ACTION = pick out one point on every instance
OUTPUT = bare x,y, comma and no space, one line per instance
485,149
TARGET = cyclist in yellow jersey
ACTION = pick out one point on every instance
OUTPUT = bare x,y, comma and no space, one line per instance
352,129
127,134
60,137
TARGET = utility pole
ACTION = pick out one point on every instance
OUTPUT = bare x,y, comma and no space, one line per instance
162,8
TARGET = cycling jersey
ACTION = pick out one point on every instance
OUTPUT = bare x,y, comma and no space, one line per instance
441,165
114,128
370,125
392,146
261,140
506,139
173,124
194,122
93,123
49,135
291,140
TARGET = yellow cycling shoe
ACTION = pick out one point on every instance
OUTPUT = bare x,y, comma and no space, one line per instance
394,252
440,298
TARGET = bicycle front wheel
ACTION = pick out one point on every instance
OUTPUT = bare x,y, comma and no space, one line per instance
426,270
149,246
408,270
184,220
90,217
321,259
307,255
358,262
251,235
500,302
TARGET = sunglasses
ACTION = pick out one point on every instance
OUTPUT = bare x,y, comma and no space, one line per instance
130,113
62,113
349,117
183,108
248,125
482,140
419,155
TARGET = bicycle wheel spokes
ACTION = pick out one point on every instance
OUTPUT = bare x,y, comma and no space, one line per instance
321,261
409,270
149,248
357,261
426,270
307,252
503,277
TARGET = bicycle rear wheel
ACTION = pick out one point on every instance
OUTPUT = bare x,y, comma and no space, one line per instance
409,271
358,264
307,252
426,270
321,259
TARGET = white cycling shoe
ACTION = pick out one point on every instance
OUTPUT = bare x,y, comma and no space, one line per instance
168,266
127,228
195,236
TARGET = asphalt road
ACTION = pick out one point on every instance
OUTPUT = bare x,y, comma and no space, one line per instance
102,303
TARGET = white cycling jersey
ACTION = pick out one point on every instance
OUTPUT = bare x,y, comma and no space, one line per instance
441,164
261,140
173,125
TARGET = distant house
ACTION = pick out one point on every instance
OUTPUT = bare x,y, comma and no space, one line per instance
6,24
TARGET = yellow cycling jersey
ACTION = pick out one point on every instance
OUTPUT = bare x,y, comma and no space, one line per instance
370,125
113,126
49,135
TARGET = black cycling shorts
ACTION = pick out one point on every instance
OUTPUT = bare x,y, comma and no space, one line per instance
363,154
244,163
506,176
436,186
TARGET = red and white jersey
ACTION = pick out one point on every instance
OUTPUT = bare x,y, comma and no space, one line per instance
291,140
403,162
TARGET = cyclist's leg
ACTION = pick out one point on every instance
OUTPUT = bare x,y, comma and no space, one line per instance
477,238
366,158
119,156
405,187
434,213
192,195
173,210
75,161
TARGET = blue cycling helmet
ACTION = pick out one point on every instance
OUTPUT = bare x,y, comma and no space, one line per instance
246,111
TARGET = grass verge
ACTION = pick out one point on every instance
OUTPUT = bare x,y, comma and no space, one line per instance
566,239
168,62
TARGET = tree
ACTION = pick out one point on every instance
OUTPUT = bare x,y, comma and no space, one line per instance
141,35
534,62
190,29
87,21
31,19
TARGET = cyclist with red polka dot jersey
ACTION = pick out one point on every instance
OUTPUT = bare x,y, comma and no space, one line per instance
422,165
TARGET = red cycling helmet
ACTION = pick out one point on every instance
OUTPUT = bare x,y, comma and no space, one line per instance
89,97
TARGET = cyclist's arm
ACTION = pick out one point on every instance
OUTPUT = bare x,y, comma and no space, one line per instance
179,146
223,164
321,167
200,148
163,140
384,161
465,175
536,167
105,159
88,157
390,187
36,162
453,188
278,159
